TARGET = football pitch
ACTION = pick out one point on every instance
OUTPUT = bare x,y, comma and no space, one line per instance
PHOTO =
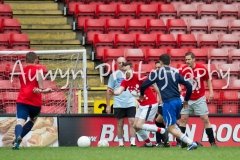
117,153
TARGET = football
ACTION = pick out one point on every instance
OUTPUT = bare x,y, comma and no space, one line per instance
103,143
83,141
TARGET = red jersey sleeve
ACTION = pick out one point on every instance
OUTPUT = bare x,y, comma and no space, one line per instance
124,84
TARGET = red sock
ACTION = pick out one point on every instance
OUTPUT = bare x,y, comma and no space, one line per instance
159,130
147,140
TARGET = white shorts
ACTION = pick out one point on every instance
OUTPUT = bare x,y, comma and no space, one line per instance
147,112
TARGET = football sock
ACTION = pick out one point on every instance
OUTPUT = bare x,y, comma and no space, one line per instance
132,140
185,139
177,127
153,128
26,128
120,141
159,136
18,130
209,132
143,134
183,129
148,142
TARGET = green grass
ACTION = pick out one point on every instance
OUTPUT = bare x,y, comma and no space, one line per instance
116,153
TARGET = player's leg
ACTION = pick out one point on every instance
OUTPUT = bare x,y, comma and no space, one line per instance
34,111
201,109
21,115
171,111
160,123
119,113
159,137
130,113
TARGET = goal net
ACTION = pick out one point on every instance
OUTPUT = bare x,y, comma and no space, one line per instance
65,71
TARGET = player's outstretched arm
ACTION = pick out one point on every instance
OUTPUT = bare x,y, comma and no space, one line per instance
119,91
149,81
188,87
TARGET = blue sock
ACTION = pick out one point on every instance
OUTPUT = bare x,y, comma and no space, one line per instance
18,130
26,128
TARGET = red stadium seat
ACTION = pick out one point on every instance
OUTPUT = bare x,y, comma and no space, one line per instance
115,2
48,109
216,3
197,2
145,41
155,26
153,54
135,26
50,84
218,56
10,26
96,2
218,26
232,68
105,11
212,108
229,96
124,41
82,12
134,55
200,55
177,2
227,11
177,55
165,41
207,11
230,109
234,27
19,41
144,69
186,41
126,11
176,26
234,84
71,6
166,11
10,108
187,11
57,99
102,41
197,26
234,56
115,26
4,41
219,84
9,97
207,41
111,54
146,11
93,26
215,98
8,86
5,11
228,41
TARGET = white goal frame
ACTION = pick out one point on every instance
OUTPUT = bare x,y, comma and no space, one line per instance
84,69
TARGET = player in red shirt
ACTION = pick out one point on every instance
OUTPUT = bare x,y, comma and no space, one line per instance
197,74
147,107
29,100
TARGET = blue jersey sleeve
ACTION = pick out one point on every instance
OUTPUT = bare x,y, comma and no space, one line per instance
149,81
187,85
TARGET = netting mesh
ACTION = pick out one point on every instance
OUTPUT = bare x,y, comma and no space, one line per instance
62,72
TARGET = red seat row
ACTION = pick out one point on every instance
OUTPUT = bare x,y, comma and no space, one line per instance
162,41
9,26
5,11
14,41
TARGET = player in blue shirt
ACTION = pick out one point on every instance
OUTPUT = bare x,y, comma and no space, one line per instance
167,80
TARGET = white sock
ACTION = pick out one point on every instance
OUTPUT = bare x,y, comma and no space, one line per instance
132,140
149,144
153,128
120,140
185,139
142,134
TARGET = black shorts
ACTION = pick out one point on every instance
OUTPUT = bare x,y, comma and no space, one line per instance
125,112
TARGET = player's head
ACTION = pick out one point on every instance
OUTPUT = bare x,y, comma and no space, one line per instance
128,69
157,65
190,59
120,62
31,58
164,59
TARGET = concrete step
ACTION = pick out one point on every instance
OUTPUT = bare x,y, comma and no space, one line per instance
50,34
33,5
70,41
56,47
37,12
65,56
46,26
54,20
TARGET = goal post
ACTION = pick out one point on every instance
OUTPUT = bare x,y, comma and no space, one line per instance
66,68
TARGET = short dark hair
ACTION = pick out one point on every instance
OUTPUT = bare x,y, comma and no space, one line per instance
31,57
190,54
165,59
157,62
128,64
